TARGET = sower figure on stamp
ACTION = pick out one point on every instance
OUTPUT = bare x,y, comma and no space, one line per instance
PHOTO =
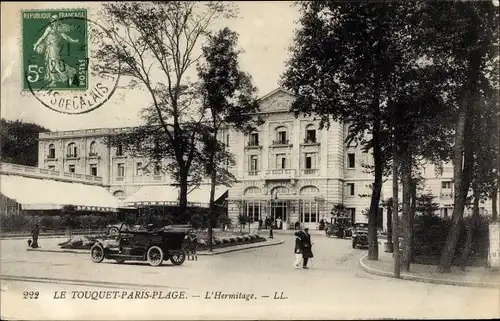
306,247
298,250
50,44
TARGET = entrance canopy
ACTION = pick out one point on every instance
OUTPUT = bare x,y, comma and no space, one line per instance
46,194
169,195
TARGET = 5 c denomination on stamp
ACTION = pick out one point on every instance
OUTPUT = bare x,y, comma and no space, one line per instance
59,64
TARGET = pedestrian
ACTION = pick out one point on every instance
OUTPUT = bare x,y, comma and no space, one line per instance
34,234
278,223
306,247
298,250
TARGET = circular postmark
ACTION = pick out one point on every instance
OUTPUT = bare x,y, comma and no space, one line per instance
65,65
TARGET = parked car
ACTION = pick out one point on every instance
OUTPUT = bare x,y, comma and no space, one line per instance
360,235
154,246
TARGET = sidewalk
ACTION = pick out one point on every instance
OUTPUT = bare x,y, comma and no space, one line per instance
473,276
54,248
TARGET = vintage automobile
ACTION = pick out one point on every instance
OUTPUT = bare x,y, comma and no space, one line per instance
360,235
153,246
339,227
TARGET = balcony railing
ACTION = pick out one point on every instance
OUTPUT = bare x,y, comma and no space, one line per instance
280,173
36,172
253,145
120,179
93,155
446,195
281,142
310,171
310,141
253,173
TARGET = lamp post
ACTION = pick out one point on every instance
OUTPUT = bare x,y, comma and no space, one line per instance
270,209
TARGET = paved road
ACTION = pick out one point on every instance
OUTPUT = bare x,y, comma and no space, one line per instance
333,288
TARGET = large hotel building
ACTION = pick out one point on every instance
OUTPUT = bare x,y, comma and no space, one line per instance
287,169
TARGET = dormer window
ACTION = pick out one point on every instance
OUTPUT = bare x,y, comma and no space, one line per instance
310,134
253,139
52,151
72,150
93,149
119,150
281,136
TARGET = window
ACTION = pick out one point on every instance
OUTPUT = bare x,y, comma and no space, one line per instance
93,170
254,163
52,168
157,170
309,162
72,150
308,211
138,169
253,210
71,168
119,150
282,137
444,212
121,170
52,151
350,189
93,149
254,139
281,161
446,185
351,160
310,135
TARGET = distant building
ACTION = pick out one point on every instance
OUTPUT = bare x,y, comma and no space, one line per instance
287,169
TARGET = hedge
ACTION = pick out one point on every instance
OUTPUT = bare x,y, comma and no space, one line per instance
430,233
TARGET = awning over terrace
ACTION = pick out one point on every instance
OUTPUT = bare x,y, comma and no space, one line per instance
169,195
45,194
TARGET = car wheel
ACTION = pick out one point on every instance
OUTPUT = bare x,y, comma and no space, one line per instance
113,231
155,255
178,258
97,253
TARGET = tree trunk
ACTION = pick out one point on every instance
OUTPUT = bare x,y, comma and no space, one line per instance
406,180
389,224
375,198
413,209
462,170
213,183
395,213
494,199
470,230
183,189
462,155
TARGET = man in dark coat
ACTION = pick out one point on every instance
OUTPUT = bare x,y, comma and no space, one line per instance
306,247
34,234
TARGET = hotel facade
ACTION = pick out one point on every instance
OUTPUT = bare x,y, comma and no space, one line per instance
288,169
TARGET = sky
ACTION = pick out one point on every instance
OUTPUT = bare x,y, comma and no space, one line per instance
265,29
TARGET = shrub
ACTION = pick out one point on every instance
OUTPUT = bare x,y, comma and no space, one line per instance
225,240
430,233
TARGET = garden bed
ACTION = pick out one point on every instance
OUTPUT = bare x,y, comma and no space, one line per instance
221,239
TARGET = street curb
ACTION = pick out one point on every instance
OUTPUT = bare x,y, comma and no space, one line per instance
86,252
405,276
229,250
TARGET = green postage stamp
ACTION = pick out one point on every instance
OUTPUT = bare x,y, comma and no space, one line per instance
55,49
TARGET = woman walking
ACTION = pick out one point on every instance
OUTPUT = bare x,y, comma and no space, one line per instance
298,250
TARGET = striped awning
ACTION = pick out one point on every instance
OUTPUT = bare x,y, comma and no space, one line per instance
169,195
47,194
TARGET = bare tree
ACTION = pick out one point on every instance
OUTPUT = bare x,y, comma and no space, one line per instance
155,45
